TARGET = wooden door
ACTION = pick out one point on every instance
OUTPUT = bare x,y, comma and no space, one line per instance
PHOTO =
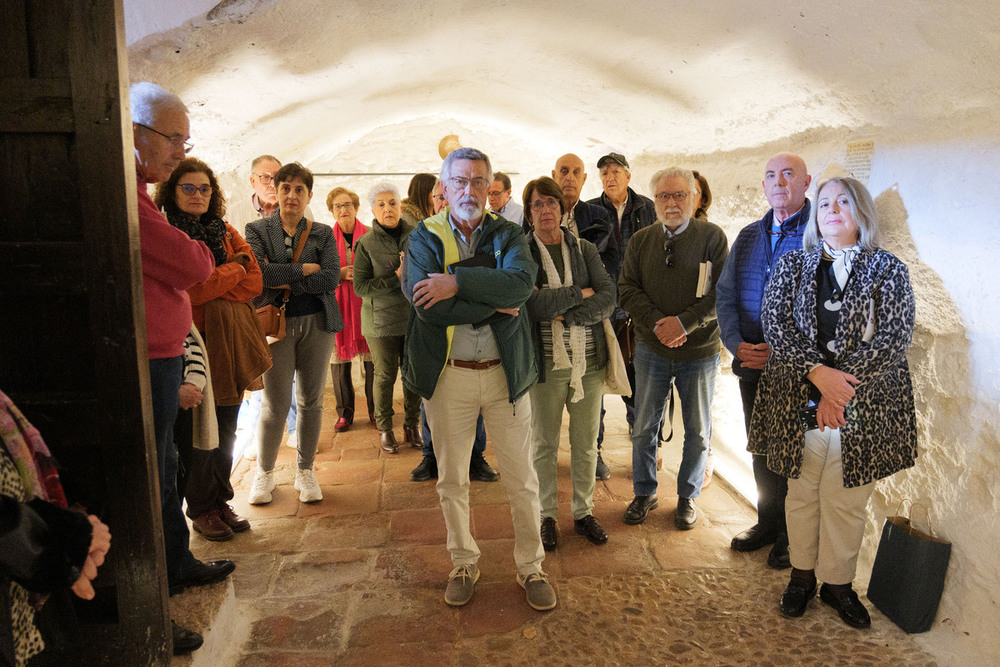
72,332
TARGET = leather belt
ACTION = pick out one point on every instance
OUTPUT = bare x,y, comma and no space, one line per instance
474,365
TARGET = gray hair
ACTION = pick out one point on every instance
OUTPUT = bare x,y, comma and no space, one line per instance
148,101
673,172
379,188
862,210
465,154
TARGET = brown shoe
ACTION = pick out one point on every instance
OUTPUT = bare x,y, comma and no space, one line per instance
411,434
232,519
342,425
212,527
387,440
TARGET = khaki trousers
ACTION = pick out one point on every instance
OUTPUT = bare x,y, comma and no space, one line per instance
826,522
451,413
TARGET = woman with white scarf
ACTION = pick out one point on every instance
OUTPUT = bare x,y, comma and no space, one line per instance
573,295
834,411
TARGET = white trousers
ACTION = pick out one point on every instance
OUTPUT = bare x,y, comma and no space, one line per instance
451,414
826,522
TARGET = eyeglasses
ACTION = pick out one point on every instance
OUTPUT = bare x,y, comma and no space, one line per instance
175,139
669,248
266,179
664,197
478,184
189,189
550,203
337,207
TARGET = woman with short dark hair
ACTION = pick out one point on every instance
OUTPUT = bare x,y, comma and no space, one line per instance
312,319
573,295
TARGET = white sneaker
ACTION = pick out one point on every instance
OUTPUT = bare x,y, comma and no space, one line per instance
250,451
263,485
307,486
293,440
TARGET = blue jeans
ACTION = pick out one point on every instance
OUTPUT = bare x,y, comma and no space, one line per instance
164,382
654,378
478,445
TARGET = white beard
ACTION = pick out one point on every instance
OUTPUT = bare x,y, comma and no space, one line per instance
468,210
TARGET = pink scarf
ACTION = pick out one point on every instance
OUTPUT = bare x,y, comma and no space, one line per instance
32,458
350,342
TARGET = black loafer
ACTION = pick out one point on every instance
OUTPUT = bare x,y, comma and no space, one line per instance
686,515
550,533
202,574
639,508
778,557
754,538
589,528
425,471
796,597
185,640
480,470
848,606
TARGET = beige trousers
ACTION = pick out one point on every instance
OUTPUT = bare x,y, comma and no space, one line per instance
451,414
826,522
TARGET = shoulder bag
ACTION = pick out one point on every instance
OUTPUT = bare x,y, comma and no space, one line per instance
271,317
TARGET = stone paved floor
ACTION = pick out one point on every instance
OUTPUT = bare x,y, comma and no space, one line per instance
358,579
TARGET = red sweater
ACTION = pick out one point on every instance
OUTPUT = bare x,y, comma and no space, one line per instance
171,263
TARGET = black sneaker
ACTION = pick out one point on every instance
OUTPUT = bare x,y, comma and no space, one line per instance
589,528
639,508
480,470
426,470
185,641
686,515
603,472
550,533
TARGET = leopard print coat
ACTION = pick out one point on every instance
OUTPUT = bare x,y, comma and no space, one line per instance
880,436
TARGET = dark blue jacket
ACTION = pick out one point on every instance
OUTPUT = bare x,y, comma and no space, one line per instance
740,290
639,213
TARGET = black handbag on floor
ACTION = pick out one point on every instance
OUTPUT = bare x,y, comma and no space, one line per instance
908,574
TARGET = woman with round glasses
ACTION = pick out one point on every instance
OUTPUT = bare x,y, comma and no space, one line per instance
573,295
347,231
194,203
834,411
385,311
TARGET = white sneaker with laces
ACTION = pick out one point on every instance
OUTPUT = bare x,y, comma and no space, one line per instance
293,440
307,486
263,484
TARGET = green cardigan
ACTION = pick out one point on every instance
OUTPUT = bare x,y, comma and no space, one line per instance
384,309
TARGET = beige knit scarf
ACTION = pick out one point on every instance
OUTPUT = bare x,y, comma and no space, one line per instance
577,333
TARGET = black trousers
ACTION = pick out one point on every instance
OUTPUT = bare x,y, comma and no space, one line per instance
343,389
771,487
203,476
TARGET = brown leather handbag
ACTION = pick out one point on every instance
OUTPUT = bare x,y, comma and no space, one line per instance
271,318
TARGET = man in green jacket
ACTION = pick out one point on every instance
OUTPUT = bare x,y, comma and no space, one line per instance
469,349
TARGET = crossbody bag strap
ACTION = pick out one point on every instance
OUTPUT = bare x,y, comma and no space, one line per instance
296,255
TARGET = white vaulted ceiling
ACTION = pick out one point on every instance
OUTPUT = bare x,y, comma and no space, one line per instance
374,85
